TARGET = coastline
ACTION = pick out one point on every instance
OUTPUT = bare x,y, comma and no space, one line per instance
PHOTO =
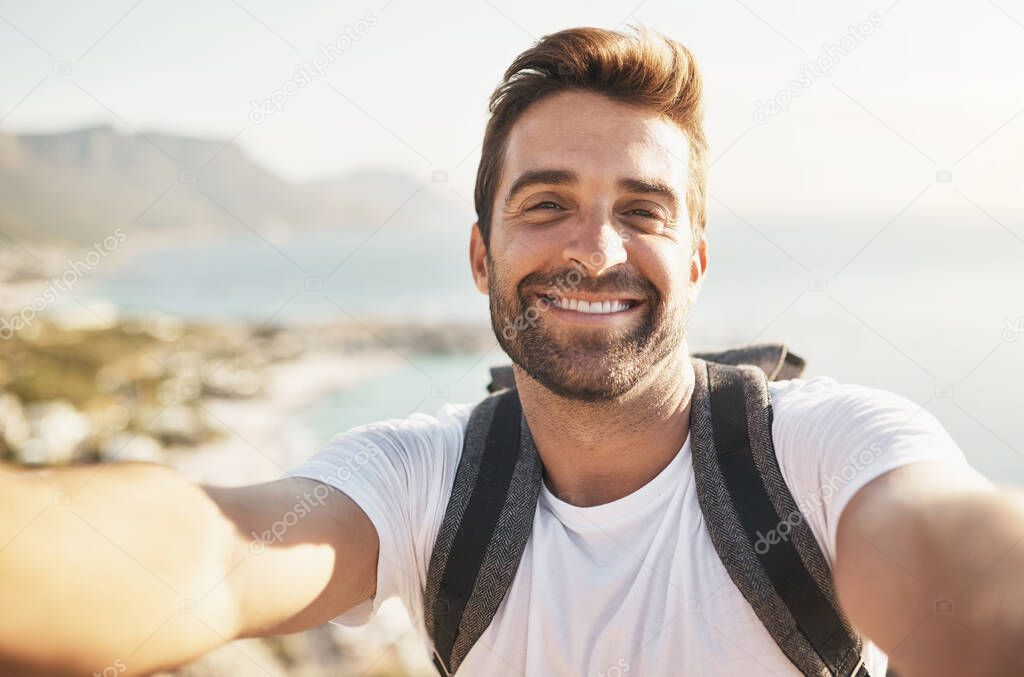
263,436
219,401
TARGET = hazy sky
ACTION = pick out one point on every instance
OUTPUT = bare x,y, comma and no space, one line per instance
921,87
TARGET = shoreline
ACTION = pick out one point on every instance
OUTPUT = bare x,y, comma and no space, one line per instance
263,436
263,439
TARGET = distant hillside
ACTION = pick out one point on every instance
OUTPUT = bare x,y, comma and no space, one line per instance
80,185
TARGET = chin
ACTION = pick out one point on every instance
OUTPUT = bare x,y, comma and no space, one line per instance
587,376
585,363
588,390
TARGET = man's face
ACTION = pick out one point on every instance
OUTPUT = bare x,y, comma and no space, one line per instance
591,268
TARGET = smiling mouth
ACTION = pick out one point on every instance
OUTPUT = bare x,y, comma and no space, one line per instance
608,306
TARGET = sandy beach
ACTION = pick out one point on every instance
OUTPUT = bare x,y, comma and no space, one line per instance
262,438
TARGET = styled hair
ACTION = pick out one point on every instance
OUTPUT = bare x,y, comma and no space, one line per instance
642,68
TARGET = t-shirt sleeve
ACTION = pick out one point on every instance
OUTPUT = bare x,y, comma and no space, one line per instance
400,473
832,439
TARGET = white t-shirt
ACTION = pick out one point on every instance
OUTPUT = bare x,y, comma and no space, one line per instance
631,587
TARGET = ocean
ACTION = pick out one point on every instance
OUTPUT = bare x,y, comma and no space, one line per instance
934,312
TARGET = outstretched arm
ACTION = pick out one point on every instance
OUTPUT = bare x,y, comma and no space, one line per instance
131,566
930,566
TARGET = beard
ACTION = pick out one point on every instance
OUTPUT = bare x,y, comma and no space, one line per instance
589,364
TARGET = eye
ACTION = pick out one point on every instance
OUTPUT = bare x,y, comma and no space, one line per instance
654,215
646,213
546,204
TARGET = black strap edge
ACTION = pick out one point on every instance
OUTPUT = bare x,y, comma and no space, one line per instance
800,534
476,528
816,617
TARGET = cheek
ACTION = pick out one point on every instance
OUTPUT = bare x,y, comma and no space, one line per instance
533,240
661,264
523,253
507,269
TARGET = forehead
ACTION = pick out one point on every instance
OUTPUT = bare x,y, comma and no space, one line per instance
597,137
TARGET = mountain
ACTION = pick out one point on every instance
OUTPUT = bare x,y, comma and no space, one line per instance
82,184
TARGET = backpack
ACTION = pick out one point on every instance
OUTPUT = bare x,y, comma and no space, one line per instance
740,490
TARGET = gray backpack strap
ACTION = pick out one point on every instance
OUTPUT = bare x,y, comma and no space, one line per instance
485,528
774,359
501,377
740,490
775,562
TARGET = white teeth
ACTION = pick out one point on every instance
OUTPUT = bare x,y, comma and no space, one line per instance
595,308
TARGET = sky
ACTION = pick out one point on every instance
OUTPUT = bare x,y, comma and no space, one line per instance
920,106
902,119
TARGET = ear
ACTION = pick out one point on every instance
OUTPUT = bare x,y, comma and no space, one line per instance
478,259
698,268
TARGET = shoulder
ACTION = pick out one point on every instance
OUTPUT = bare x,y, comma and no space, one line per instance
819,408
414,436
412,458
817,391
832,438
399,472
450,418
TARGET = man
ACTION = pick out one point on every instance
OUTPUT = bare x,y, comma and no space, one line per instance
590,243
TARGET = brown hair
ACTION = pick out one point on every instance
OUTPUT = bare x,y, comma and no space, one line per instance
643,68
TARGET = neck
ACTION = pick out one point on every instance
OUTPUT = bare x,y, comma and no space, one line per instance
597,452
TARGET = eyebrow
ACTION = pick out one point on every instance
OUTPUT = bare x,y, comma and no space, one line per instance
649,186
563,177
550,177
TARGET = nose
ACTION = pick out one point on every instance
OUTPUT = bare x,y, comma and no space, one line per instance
597,243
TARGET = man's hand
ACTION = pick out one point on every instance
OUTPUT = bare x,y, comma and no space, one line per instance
930,566
131,566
